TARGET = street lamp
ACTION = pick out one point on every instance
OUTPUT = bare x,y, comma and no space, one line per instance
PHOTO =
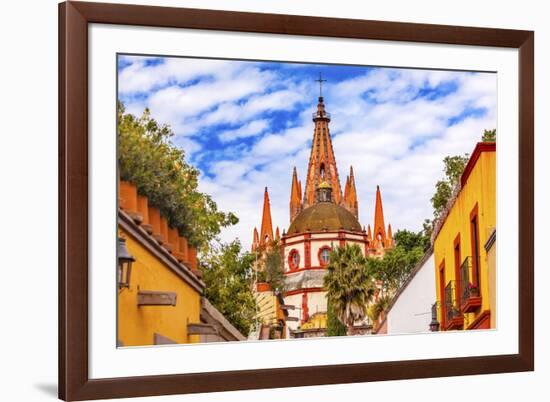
125,260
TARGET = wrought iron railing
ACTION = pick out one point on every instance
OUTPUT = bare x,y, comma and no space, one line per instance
452,310
468,288
318,115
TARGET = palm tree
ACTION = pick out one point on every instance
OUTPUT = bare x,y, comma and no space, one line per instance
348,284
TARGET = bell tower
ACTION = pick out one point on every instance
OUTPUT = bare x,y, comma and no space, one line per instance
322,163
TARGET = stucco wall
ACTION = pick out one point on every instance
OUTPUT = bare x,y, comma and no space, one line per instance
137,325
480,190
411,312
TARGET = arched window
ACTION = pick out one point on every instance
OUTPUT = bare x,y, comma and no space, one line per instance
322,171
324,256
294,259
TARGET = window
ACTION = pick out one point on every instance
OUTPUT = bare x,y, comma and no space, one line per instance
474,233
322,171
294,259
324,256
459,284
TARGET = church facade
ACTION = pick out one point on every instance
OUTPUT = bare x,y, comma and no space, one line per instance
321,217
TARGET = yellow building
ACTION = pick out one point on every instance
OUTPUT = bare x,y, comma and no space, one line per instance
463,235
272,313
159,286
314,327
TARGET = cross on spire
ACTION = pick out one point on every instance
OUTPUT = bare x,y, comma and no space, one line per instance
320,81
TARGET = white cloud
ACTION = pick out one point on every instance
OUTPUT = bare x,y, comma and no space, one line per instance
140,76
380,125
247,130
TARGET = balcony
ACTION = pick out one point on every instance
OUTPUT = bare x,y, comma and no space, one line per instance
470,298
453,316
320,115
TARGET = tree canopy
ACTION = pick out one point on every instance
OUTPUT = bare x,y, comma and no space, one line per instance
272,270
453,168
411,240
489,135
148,158
228,275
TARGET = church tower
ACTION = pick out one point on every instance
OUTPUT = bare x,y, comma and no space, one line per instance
322,163
321,218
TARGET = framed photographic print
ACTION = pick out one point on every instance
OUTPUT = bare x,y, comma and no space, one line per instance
260,200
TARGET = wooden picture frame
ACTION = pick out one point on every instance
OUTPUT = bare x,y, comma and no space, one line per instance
74,381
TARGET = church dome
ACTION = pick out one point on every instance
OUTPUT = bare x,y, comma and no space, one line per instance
324,216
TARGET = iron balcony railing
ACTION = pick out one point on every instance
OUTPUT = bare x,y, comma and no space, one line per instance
319,115
468,288
452,310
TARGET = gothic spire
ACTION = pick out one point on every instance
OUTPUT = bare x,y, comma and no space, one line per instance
322,163
255,240
295,196
266,231
351,199
379,227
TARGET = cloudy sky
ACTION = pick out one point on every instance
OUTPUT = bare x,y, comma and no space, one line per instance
246,124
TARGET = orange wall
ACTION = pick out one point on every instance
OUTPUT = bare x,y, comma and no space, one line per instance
136,325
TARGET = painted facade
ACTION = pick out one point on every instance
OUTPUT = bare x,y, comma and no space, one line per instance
410,310
142,325
161,301
321,217
272,314
464,270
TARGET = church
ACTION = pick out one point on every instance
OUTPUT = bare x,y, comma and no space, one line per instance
321,217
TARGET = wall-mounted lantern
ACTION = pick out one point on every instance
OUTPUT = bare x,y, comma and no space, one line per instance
434,324
125,260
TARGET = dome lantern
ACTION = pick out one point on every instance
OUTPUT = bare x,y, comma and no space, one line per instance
324,192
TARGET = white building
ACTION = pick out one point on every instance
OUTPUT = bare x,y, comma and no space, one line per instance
411,308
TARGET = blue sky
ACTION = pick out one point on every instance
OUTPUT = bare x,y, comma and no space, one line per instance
245,124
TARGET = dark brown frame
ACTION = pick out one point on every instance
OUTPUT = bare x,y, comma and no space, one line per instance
74,17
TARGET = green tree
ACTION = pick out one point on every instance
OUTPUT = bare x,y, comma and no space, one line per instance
453,168
334,325
381,306
228,275
273,272
394,268
148,158
410,240
489,135
348,284
427,229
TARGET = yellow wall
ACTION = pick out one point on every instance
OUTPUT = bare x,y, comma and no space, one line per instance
136,325
491,265
480,188
270,311
318,320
